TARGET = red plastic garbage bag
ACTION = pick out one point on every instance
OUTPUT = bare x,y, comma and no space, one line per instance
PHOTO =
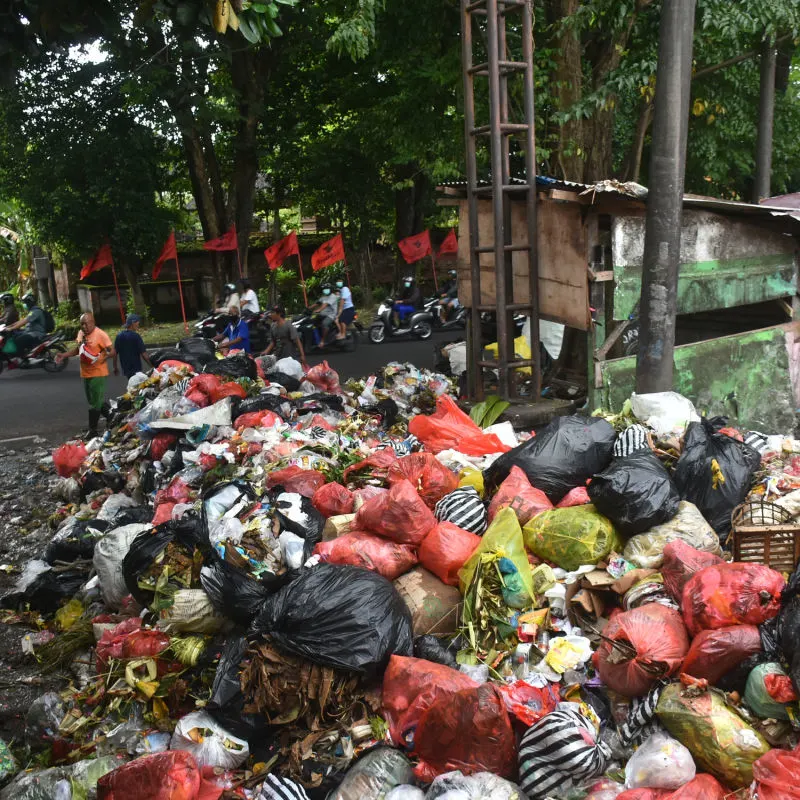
198,397
143,644
317,421
450,428
399,515
204,383
257,419
470,731
324,378
111,642
527,703
161,443
173,775
68,458
379,462
431,478
653,645
366,550
410,687
731,594
333,499
779,688
701,787
163,513
681,561
776,775
295,479
714,653
368,493
517,493
173,363
579,496
231,389
446,549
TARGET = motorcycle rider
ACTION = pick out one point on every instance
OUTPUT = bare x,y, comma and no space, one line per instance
9,314
448,293
237,335
34,325
228,298
410,300
347,311
249,299
326,309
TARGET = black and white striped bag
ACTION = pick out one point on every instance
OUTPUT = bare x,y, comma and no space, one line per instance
463,507
561,750
630,440
641,722
277,788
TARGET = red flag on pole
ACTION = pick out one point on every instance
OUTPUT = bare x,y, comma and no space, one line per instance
168,253
101,259
413,248
329,253
449,245
227,241
277,253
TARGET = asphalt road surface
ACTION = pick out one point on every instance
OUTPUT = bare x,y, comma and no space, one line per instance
36,403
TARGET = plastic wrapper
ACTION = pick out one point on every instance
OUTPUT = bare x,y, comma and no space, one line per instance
449,428
563,455
210,744
714,653
660,763
560,751
652,645
777,776
374,775
635,492
431,478
295,479
505,538
731,594
446,549
758,697
516,492
387,558
465,509
715,472
470,731
340,616
680,562
333,499
571,537
70,783
69,458
400,515
478,786
410,687
720,741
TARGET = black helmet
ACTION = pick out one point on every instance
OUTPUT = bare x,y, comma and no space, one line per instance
7,299
409,279
29,300
230,288
452,273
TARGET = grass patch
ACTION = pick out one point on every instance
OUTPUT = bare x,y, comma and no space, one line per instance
164,333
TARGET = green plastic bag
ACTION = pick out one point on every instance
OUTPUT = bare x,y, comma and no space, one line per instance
571,537
720,741
757,697
504,536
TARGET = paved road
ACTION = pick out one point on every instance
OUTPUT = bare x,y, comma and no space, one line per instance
53,406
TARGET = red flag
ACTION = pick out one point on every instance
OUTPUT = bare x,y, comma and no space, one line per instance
102,258
413,248
449,245
329,253
227,241
277,253
168,253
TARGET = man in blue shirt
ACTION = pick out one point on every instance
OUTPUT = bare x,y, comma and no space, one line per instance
237,333
129,348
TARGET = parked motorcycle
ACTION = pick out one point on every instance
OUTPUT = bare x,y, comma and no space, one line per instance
215,323
418,324
42,355
458,318
310,332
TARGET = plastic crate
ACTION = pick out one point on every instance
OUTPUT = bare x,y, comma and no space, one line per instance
764,533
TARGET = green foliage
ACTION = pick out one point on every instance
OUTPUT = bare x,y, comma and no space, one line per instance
489,411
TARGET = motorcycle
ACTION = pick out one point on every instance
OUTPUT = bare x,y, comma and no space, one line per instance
42,355
214,323
489,326
310,333
418,324
458,318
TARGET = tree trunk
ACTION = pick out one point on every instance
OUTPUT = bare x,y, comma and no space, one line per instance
276,234
132,279
632,168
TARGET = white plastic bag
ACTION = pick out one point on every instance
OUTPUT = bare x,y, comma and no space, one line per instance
289,366
481,785
210,744
108,555
218,415
113,505
660,763
292,549
406,792
667,413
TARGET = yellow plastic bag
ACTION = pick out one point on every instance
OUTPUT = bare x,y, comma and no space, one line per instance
571,537
720,741
469,476
522,351
504,537
69,614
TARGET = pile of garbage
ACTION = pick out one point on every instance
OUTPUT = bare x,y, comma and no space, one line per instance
264,584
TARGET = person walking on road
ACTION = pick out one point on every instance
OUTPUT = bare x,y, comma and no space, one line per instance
129,348
94,349
285,340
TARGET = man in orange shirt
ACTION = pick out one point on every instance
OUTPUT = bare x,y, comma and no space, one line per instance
94,348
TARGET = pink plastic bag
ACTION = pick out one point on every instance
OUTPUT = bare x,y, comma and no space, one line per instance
400,515
366,550
68,458
516,492
324,378
575,497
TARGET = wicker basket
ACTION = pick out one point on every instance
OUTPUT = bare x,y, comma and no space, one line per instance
764,533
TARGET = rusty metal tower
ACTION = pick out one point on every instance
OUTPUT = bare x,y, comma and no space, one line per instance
484,22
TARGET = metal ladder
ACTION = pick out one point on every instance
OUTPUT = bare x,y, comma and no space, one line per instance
498,68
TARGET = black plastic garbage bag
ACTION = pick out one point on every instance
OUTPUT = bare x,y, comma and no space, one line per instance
288,382
162,354
239,365
339,616
131,515
563,455
186,532
312,403
296,514
708,457
262,402
107,479
201,349
48,590
786,628
431,648
635,492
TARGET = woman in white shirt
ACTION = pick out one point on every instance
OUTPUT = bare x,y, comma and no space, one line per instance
347,311
249,299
